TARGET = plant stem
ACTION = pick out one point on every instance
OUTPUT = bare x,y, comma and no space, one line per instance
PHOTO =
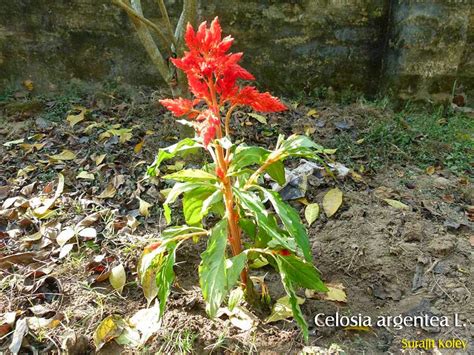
232,217
261,170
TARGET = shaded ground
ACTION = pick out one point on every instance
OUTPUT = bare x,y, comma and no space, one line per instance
391,261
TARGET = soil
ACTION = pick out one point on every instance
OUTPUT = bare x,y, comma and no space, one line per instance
391,261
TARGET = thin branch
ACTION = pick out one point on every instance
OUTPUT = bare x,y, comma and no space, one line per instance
169,28
134,14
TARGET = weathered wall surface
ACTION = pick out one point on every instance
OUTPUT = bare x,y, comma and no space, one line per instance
418,49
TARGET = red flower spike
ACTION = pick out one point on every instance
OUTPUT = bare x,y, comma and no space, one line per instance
263,102
212,75
180,107
206,126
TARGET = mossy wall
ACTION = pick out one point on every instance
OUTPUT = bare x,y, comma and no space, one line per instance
415,49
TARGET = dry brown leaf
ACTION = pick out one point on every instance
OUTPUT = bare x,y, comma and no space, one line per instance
66,154
144,207
109,192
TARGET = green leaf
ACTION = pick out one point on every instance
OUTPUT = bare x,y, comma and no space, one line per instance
277,172
293,299
212,275
187,145
234,267
246,156
165,275
192,204
300,146
172,232
180,188
217,275
259,118
282,309
248,226
191,175
296,142
250,202
291,221
211,201
300,272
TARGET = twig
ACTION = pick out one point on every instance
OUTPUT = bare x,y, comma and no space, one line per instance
169,28
131,12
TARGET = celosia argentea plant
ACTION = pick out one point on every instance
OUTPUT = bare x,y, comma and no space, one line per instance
229,188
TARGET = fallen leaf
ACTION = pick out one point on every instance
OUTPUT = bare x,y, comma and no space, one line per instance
74,119
65,250
110,328
430,170
144,207
138,148
282,309
471,240
89,233
6,322
91,219
99,159
396,204
312,113
28,84
259,118
335,293
44,210
66,154
21,329
85,175
332,201
109,192
15,142
15,259
118,278
147,321
311,213
65,236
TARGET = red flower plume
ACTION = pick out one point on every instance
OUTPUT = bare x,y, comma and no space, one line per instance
213,76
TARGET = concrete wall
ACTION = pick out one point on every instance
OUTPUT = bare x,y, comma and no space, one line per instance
416,49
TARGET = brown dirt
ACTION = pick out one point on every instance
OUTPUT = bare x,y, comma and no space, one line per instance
390,261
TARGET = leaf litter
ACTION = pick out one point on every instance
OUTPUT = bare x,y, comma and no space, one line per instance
100,211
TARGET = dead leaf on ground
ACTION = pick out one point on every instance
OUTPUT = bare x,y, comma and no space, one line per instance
311,213
335,293
282,309
73,119
41,211
118,278
332,201
109,329
85,175
21,329
65,155
396,204
109,192
144,207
